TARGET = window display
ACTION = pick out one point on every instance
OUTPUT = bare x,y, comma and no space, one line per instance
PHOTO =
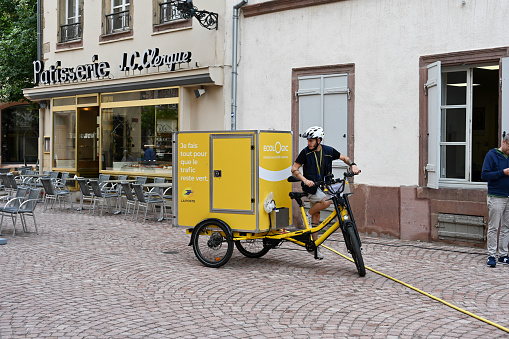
137,130
64,143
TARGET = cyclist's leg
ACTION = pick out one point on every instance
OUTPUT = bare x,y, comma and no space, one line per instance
317,203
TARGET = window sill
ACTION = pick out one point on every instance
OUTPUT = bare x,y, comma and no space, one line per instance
70,45
173,25
116,36
462,184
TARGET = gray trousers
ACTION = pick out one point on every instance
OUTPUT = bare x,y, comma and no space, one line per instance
498,208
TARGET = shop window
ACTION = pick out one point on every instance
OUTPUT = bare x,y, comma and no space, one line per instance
20,125
137,130
463,122
70,23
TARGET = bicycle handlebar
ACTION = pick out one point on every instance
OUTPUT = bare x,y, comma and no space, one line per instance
328,180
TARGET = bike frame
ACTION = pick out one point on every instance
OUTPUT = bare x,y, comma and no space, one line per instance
341,208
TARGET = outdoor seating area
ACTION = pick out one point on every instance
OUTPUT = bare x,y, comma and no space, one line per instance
20,194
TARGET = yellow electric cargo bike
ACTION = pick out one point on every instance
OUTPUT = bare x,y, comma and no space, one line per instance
231,188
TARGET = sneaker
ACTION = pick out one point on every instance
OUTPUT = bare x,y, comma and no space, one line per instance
504,260
308,216
319,254
491,262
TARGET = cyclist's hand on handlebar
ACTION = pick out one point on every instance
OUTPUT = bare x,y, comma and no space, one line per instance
350,174
355,169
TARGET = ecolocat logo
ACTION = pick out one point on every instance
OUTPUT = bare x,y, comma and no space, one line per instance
277,147
187,192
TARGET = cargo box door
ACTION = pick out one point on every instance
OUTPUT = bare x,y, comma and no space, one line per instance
232,173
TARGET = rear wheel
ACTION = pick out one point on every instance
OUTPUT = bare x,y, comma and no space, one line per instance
355,250
252,248
212,244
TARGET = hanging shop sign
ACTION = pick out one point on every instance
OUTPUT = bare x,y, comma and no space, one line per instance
129,62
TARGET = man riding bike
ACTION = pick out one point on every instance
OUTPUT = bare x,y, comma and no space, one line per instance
317,161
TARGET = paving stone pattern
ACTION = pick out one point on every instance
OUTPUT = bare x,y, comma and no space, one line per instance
87,276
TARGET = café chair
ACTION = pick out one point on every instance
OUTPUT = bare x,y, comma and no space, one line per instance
153,199
51,192
12,206
101,196
130,199
86,195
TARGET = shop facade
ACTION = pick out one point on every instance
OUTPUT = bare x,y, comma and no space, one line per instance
113,86
19,126
415,93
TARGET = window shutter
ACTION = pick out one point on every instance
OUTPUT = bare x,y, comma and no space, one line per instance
310,105
434,90
323,101
505,95
335,112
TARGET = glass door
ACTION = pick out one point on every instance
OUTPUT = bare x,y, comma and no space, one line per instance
88,142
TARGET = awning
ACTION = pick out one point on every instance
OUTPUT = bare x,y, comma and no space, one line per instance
201,76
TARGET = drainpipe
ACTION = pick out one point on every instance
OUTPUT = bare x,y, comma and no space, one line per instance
42,111
39,30
236,9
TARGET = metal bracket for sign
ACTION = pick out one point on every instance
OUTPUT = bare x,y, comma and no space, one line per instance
207,19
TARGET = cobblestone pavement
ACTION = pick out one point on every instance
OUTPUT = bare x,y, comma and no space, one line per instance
87,276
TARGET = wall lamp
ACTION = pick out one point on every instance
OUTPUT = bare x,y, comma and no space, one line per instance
199,92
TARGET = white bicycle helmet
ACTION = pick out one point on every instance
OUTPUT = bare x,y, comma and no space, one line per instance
314,132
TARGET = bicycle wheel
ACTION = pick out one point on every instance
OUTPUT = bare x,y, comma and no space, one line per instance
212,244
355,249
252,248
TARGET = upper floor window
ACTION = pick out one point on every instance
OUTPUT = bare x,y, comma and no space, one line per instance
118,18
167,17
168,12
70,20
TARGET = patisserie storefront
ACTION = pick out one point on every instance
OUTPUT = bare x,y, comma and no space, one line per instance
95,123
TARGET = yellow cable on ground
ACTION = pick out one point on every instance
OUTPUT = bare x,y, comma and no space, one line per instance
426,294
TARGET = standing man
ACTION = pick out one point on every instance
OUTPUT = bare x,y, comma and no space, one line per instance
495,171
317,161
149,154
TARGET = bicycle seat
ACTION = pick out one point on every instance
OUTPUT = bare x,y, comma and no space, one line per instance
297,195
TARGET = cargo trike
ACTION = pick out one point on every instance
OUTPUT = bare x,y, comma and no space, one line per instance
231,189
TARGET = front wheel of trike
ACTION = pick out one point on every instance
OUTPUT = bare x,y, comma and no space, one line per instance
212,243
252,248
355,250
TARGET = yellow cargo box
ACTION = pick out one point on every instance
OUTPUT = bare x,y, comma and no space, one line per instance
231,175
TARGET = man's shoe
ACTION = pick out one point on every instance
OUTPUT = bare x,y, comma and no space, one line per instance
319,255
504,260
308,216
492,262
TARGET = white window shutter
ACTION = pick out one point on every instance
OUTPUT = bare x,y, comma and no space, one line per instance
505,95
434,92
335,112
323,101
310,105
